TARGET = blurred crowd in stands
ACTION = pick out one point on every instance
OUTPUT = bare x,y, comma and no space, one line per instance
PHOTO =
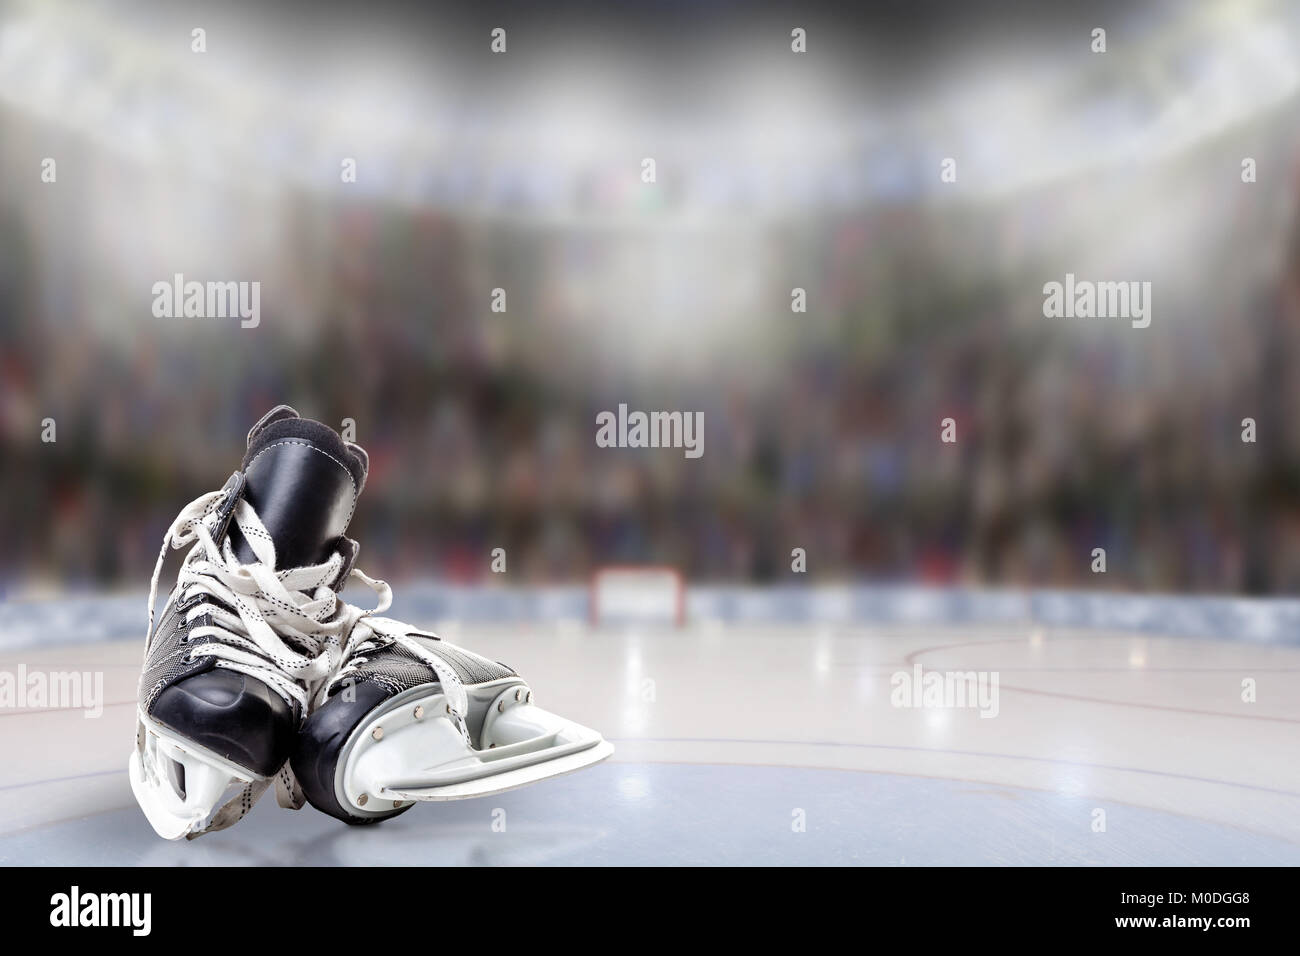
822,428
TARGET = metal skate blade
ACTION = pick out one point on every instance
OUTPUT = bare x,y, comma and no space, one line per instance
166,825
510,780
178,784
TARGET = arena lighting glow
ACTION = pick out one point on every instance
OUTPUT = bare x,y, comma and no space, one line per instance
78,66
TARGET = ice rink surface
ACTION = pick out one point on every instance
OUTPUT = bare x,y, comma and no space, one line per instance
745,744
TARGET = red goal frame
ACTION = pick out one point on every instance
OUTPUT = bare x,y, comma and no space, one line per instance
679,586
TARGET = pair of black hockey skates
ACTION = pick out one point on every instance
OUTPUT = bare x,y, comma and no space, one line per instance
258,672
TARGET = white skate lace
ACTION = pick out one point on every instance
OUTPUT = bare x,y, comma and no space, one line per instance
269,605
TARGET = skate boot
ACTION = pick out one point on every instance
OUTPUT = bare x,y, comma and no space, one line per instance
411,717
252,630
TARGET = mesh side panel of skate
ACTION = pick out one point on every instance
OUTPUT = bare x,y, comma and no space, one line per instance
400,667
397,668
469,667
168,658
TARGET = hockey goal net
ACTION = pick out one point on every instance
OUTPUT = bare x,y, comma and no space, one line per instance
638,595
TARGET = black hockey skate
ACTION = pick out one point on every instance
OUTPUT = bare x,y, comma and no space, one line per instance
411,717
252,631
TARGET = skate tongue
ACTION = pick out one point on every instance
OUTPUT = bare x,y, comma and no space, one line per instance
303,480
